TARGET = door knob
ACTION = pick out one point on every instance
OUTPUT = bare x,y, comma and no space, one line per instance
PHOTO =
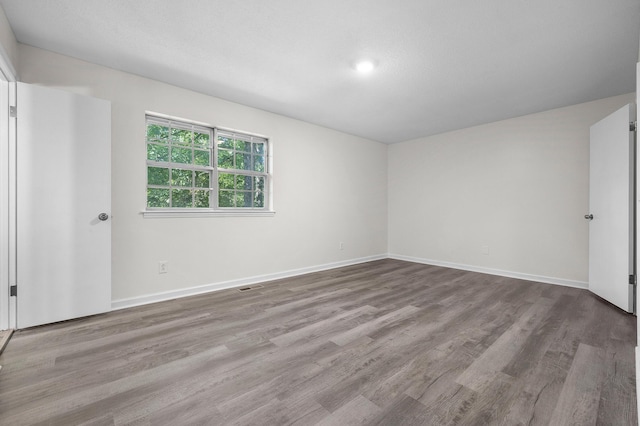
588,216
103,216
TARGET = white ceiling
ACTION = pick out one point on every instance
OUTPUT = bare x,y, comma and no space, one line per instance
442,65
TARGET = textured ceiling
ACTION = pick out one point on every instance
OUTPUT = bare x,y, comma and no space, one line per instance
442,65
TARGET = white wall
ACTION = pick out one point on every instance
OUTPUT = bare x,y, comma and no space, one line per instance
8,40
328,187
519,186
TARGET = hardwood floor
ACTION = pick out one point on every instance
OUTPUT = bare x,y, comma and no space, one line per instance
5,335
381,343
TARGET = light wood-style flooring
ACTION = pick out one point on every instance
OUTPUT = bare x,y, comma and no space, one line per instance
380,343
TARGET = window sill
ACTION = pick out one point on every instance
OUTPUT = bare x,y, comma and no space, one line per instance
174,213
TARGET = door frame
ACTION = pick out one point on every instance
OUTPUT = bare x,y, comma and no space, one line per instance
8,78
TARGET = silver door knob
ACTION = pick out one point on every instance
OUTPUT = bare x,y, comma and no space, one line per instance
588,216
103,216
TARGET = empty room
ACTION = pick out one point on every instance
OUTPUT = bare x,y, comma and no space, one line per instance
328,212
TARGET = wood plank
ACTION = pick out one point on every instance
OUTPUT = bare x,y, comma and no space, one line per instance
5,335
358,411
580,396
498,356
373,325
317,328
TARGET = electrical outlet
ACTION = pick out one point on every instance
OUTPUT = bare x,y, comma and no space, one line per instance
341,245
484,250
163,267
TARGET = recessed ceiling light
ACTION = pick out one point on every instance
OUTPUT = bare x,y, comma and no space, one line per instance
365,66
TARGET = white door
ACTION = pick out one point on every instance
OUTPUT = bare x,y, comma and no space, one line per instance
63,185
610,202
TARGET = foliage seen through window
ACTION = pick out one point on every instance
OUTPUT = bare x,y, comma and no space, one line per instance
182,173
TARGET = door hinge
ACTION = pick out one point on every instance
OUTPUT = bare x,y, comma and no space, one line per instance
633,126
13,111
632,279
13,290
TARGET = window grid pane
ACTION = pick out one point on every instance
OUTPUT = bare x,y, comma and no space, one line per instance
241,191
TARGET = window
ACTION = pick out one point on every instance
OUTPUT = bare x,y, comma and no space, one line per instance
192,168
241,170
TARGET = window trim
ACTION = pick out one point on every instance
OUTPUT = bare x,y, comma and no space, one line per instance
175,213
213,210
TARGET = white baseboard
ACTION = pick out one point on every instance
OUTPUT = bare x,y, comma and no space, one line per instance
491,271
207,288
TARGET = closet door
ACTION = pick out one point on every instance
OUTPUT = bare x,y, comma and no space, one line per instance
63,205
611,214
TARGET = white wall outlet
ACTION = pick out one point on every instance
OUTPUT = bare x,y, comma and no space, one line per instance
484,250
163,267
341,245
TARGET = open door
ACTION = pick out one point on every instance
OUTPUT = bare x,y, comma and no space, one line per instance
611,209
63,205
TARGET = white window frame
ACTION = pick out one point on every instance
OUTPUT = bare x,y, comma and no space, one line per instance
213,169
